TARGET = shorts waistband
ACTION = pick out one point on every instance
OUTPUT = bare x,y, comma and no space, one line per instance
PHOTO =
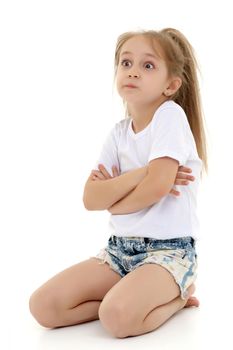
146,240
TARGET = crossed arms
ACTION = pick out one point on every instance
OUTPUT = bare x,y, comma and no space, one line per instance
132,191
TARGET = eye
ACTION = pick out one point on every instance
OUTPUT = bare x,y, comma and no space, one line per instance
125,63
149,65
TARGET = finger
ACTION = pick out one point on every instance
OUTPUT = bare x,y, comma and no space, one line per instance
104,171
98,174
185,176
181,182
98,177
114,171
176,193
185,169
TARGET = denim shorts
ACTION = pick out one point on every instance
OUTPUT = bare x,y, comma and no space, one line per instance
177,255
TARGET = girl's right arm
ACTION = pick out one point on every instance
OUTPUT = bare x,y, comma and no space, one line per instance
100,195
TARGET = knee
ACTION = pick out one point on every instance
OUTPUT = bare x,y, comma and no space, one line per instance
114,319
43,309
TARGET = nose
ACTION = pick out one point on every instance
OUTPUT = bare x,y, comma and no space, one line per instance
133,75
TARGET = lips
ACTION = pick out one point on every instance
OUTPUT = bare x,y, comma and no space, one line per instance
131,86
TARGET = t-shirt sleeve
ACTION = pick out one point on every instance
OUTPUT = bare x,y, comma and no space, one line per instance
109,155
170,136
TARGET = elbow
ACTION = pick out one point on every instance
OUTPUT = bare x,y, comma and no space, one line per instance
91,206
88,206
86,203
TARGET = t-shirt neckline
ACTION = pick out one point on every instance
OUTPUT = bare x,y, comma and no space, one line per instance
144,131
140,133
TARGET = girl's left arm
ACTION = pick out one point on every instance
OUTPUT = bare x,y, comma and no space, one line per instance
156,184
139,198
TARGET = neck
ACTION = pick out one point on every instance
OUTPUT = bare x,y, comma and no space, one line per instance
143,114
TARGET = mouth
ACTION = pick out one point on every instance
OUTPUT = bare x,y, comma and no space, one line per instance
131,86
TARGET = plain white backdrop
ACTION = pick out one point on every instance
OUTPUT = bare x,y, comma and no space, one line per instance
57,104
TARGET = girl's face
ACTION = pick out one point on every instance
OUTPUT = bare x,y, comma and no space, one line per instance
140,66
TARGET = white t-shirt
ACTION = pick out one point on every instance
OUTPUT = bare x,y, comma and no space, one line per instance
168,134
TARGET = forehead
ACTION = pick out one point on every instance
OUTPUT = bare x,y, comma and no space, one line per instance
141,46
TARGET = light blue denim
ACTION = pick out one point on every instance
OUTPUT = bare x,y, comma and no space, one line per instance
177,255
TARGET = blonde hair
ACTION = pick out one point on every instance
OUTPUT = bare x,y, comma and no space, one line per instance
180,61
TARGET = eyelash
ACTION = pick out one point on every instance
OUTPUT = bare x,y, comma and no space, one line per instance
128,61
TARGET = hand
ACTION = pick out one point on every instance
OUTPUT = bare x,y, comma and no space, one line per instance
182,179
181,176
103,174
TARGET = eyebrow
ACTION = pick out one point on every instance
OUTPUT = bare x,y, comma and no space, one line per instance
145,54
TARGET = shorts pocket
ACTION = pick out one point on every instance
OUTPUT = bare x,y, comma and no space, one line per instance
179,253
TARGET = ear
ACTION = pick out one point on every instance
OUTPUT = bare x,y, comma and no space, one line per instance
174,85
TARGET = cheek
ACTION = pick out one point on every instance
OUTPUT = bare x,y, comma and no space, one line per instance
156,83
118,82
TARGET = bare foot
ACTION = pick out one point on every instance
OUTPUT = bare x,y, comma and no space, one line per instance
191,300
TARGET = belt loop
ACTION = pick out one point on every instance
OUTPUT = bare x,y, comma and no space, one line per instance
193,242
113,239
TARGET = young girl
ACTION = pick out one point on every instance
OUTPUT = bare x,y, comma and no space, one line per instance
147,270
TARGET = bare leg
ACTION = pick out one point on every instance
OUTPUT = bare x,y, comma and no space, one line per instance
74,295
162,313
85,312
139,304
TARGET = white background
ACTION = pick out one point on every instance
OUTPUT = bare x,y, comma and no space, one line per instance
57,104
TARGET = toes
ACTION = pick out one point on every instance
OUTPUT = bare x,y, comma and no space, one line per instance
192,301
